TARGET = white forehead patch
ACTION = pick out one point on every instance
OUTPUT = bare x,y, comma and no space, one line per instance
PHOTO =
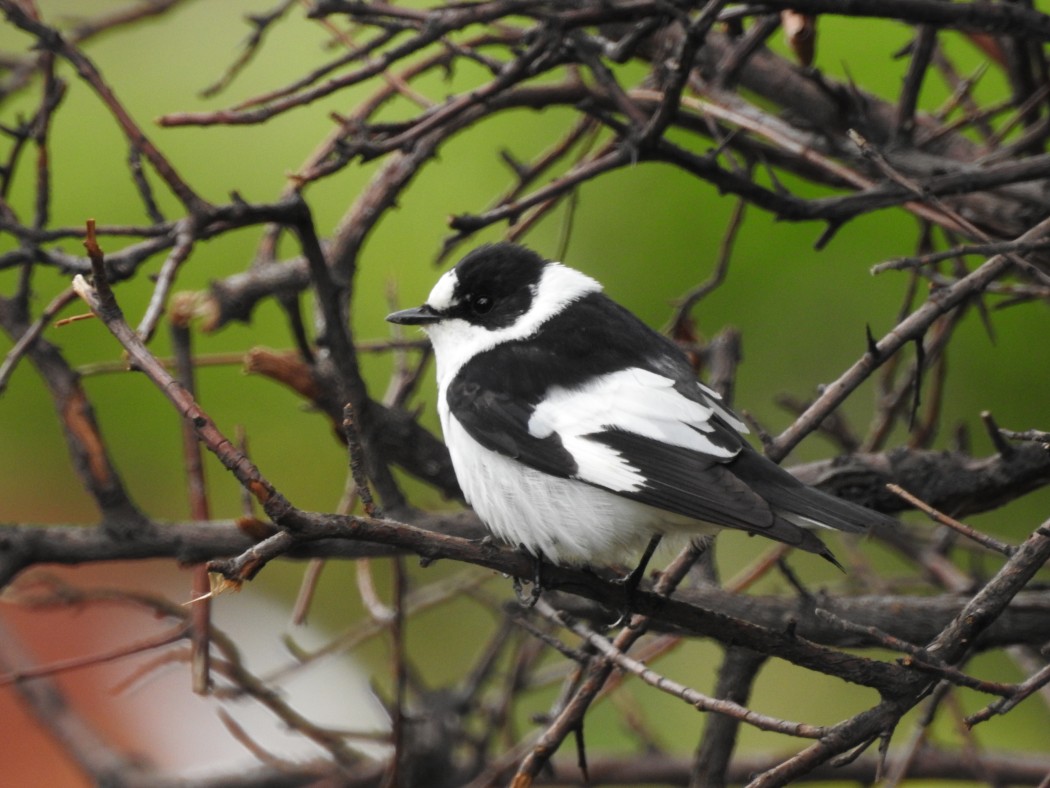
441,297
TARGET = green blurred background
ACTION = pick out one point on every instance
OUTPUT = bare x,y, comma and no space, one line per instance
648,233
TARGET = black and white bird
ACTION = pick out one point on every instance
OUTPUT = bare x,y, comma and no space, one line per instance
579,433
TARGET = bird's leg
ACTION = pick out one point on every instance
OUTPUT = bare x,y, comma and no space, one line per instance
537,580
631,582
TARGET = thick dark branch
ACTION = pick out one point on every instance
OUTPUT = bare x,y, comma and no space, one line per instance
187,542
915,619
879,675
950,481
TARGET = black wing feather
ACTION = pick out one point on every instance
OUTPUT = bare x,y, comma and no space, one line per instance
688,483
784,492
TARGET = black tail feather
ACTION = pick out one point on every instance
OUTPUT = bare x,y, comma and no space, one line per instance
788,495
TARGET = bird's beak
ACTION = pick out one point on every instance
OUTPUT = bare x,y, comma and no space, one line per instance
416,316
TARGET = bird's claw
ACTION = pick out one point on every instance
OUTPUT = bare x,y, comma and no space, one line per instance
529,601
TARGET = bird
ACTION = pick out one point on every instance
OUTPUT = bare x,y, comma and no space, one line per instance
582,435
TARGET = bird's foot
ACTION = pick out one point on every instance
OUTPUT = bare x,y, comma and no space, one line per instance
631,580
629,583
526,599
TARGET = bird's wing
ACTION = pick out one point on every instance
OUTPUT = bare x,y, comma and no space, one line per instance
630,432
635,433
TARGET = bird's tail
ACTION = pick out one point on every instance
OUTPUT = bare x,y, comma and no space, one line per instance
799,507
801,504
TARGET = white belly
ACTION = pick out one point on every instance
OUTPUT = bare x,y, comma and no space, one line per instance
565,520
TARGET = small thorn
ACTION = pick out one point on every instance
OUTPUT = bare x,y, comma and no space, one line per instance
1002,445
826,236
873,345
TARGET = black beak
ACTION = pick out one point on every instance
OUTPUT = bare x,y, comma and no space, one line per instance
416,316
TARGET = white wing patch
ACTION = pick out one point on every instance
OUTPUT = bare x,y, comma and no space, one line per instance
729,417
602,465
633,400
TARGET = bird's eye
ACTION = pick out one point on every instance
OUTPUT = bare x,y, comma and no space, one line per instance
481,305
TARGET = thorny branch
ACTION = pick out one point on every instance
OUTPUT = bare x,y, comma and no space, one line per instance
695,86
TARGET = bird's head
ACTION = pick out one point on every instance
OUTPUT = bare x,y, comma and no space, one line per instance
496,293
